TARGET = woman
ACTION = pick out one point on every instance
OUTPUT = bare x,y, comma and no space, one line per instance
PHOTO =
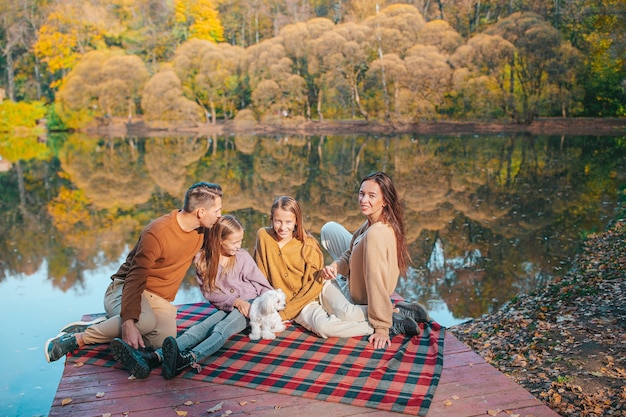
229,279
357,296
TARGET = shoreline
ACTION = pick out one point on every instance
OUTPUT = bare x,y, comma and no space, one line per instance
552,126
565,344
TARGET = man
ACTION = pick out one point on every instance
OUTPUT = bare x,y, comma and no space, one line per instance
138,300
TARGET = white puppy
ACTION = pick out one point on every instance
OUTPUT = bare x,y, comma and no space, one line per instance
264,318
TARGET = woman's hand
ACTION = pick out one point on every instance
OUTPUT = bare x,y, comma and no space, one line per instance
243,307
379,340
330,271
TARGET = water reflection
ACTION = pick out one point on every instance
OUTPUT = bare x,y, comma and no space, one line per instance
488,216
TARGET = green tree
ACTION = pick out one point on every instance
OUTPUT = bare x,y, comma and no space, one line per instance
597,29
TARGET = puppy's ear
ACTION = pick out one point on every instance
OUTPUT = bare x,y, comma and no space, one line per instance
266,305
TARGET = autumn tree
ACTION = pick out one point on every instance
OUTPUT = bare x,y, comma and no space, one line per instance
163,101
345,52
481,75
439,33
246,22
121,86
147,29
15,30
72,29
198,19
77,100
298,40
536,61
102,85
211,75
275,89
395,29
429,79
397,81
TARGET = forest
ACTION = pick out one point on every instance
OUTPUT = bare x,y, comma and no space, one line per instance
80,63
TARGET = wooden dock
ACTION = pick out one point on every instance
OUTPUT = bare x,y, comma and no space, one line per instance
469,386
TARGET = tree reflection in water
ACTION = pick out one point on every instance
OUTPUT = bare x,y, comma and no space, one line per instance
488,216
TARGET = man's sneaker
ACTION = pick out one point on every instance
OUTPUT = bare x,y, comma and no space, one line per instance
403,325
139,362
81,326
59,346
174,361
414,310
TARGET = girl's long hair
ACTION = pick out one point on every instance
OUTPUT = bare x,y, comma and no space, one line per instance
392,215
208,260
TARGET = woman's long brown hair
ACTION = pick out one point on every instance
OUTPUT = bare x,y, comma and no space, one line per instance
392,215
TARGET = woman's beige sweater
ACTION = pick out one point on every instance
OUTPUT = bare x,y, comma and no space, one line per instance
371,266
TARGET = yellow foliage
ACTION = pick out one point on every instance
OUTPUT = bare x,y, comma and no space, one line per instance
23,148
71,30
201,19
69,212
22,114
56,49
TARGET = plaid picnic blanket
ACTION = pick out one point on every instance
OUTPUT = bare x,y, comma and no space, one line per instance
401,378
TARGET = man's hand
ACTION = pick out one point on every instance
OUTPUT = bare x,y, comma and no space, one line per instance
131,335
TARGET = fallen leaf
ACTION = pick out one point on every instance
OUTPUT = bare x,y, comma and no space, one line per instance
66,401
226,413
277,407
494,412
447,402
78,364
188,403
106,415
132,377
181,413
455,397
215,408
242,403
100,395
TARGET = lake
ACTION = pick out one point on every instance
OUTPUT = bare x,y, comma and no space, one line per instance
488,217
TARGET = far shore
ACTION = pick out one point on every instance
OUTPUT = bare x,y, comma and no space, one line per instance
551,126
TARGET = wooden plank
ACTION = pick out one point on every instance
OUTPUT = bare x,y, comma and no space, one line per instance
468,387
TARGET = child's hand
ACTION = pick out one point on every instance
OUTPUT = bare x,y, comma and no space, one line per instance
243,307
330,271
